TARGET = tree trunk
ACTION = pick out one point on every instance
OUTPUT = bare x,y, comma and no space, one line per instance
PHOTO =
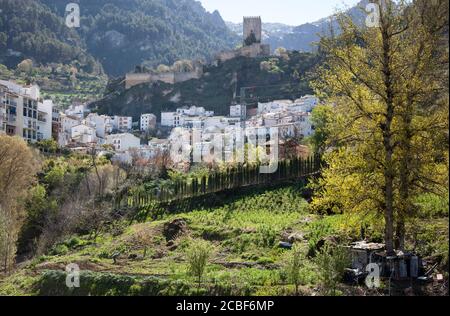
389,216
405,172
387,137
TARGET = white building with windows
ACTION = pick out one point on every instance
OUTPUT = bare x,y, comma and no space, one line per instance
122,123
192,116
22,114
83,134
123,142
148,122
77,110
102,123
45,120
239,111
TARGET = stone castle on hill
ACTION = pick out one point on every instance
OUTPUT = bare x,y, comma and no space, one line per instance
252,42
251,47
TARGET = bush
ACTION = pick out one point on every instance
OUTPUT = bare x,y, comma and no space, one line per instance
59,250
198,255
53,283
293,267
331,262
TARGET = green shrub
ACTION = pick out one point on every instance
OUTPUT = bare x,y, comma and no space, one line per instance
59,250
431,205
331,262
267,236
294,264
316,232
197,256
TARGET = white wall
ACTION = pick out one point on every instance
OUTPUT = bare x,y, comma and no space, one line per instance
45,128
123,142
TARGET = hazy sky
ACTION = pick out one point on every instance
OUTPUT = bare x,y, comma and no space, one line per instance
293,12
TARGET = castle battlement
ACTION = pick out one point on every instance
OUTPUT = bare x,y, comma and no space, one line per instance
171,77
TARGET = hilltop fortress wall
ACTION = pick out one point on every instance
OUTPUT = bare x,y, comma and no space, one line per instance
252,25
133,79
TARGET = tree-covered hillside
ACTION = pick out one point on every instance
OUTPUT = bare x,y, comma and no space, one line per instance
123,34
119,34
28,29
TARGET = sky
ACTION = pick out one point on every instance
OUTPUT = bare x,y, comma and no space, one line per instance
291,12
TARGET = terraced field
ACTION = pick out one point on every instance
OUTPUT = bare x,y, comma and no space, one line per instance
150,258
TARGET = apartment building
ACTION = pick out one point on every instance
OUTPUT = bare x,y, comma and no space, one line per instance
185,116
122,123
22,114
148,122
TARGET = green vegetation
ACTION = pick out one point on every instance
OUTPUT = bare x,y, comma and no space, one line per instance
110,30
385,147
198,255
244,230
385,179
331,262
63,83
31,30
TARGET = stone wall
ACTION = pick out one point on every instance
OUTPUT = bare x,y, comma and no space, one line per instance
133,79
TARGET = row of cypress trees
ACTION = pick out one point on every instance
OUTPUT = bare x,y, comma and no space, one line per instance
231,178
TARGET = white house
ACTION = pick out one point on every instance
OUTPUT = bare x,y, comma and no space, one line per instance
185,116
171,119
307,103
123,142
239,111
122,123
102,123
76,110
194,111
148,122
68,121
83,134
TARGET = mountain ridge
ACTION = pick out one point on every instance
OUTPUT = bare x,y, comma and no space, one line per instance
302,37
146,32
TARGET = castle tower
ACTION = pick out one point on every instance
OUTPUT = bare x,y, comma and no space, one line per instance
252,30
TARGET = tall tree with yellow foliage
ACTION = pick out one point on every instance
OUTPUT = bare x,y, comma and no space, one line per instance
388,87
18,167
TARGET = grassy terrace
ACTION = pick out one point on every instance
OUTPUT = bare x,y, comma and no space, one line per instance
243,234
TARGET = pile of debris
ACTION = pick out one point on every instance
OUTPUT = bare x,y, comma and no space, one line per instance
174,229
400,266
